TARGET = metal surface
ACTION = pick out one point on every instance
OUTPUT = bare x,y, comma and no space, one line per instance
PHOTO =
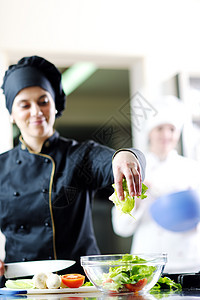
83,295
23,269
84,289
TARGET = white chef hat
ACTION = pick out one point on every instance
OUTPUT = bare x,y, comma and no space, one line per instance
170,110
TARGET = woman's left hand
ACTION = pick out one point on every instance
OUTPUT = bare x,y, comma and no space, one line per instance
2,268
126,165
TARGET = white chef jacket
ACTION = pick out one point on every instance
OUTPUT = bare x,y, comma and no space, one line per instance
174,174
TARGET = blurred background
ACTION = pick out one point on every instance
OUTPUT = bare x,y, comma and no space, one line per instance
116,57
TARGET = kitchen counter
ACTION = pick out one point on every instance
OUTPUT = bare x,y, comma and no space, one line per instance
184,295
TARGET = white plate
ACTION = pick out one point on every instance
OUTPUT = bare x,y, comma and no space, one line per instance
83,289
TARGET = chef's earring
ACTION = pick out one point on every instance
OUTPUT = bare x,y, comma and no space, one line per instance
12,120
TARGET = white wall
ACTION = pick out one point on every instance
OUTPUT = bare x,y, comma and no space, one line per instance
167,28
5,125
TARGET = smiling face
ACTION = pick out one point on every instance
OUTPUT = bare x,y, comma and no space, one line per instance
163,139
34,111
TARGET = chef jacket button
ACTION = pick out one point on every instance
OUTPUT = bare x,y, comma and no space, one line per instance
46,160
47,144
24,259
44,190
23,147
18,161
16,194
46,224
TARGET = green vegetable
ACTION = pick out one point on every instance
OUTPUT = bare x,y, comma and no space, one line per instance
126,206
20,284
165,283
144,189
127,273
87,283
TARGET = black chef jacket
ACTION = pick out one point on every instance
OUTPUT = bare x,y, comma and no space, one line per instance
45,199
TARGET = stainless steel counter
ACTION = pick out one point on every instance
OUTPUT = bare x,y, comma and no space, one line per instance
184,295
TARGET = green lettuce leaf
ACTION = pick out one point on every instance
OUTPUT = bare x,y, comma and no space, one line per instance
20,284
165,283
128,273
88,283
126,206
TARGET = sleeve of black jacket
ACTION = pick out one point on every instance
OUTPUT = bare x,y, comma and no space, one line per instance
98,163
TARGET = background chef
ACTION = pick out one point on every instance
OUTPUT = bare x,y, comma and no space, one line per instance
166,172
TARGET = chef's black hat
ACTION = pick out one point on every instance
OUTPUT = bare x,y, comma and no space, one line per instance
33,71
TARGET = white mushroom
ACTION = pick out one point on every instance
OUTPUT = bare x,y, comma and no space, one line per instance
48,274
39,280
53,281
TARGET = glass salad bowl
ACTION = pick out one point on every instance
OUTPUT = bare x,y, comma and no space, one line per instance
124,273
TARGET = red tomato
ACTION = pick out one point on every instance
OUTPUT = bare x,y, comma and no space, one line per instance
73,280
110,292
136,286
77,298
107,280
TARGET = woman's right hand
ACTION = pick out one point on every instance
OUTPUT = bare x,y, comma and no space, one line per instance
2,268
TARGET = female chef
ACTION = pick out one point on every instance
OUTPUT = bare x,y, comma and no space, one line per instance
166,172
47,182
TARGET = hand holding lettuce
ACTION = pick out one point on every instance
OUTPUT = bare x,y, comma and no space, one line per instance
126,206
129,164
